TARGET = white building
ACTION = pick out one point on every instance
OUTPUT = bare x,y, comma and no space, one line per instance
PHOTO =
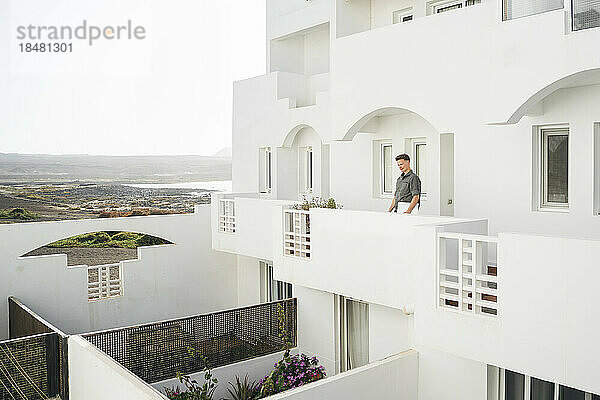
488,293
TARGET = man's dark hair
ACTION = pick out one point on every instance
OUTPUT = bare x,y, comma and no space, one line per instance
403,156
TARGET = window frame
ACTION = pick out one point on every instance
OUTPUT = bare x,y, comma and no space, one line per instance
544,132
382,168
527,386
269,283
433,7
399,15
416,142
342,337
266,173
306,170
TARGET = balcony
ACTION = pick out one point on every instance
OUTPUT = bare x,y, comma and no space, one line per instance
365,255
243,224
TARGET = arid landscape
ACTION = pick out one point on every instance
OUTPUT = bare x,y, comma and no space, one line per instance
50,187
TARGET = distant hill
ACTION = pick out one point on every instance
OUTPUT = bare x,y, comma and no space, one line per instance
117,169
224,152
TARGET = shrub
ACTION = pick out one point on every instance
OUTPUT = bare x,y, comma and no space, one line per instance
292,372
316,202
18,213
147,240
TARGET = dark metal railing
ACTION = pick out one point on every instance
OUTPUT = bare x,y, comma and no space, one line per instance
35,361
159,350
29,367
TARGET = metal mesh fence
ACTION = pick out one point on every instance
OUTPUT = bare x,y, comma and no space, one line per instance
24,323
28,367
160,350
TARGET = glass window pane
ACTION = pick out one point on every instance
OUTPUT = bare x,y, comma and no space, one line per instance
310,170
421,155
521,8
514,385
595,397
541,390
388,169
269,173
567,393
556,168
357,315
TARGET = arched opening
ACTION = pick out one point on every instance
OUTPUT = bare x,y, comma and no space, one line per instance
303,165
99,248
533,106
367,155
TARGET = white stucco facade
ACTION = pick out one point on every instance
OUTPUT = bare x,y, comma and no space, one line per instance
478,87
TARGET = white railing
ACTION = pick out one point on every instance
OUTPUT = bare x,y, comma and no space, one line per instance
468,273
227,215
104,281
296,233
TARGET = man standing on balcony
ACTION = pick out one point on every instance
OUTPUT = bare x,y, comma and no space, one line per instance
408,188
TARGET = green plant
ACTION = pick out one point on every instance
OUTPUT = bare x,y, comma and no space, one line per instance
194,390
244,390
18,213
316,202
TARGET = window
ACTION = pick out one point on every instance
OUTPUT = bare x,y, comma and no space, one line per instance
554,170
387,169
403,15
438,7
597,169
272,289
265,170
306,169
354,333
509,385
419,153
104,281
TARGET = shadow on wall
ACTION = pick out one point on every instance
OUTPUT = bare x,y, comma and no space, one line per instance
99,248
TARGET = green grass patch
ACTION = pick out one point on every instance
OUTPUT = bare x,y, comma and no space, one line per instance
18,213
125,240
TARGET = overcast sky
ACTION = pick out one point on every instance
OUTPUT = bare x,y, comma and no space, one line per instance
170,93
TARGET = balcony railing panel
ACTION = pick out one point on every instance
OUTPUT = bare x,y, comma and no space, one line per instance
585,14
158,351
468,273
34,363
296,235
227,215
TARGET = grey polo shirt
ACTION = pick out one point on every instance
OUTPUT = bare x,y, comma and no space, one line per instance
407,186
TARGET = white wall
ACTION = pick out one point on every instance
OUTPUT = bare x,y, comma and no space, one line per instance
510,212
390,332
286,17
352,16
316,325
165,282
256,369
95,376
254,226
393,378
444,376
545,310
360,254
